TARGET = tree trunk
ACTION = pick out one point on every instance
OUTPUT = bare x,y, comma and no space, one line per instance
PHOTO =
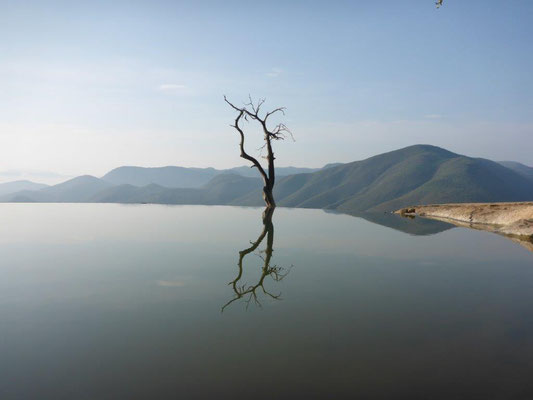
269,176
268,197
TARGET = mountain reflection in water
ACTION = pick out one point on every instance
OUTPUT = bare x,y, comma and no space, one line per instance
107,301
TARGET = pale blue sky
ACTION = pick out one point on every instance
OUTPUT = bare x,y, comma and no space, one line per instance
88,86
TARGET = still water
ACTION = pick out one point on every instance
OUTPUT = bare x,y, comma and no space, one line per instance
105,301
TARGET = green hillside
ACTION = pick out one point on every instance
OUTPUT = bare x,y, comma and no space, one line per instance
420,174
519,168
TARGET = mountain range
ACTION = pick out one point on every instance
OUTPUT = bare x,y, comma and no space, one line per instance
419,174
17,186
181,177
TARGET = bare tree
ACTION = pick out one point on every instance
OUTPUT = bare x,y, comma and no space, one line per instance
251,111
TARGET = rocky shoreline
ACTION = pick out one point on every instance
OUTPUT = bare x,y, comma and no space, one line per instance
514,220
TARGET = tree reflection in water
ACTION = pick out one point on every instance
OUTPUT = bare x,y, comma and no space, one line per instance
245,291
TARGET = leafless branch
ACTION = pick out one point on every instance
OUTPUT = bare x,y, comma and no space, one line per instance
251,111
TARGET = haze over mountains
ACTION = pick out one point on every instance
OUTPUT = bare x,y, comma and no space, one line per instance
181,177
420,174
17,186
43,177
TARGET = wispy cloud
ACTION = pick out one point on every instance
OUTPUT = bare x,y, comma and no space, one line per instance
433,116
171,87
274,72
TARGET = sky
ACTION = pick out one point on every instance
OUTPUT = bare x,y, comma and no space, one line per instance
89,86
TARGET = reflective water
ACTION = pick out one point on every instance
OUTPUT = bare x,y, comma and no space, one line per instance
122,302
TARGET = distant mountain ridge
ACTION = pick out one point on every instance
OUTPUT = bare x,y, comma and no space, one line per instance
79,189
182,177
519,168
420,174
222,189
17,186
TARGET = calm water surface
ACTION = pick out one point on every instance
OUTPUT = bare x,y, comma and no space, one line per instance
164,302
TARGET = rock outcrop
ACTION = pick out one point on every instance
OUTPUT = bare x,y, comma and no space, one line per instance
514,220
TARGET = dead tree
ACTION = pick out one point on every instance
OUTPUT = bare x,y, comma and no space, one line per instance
251,111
